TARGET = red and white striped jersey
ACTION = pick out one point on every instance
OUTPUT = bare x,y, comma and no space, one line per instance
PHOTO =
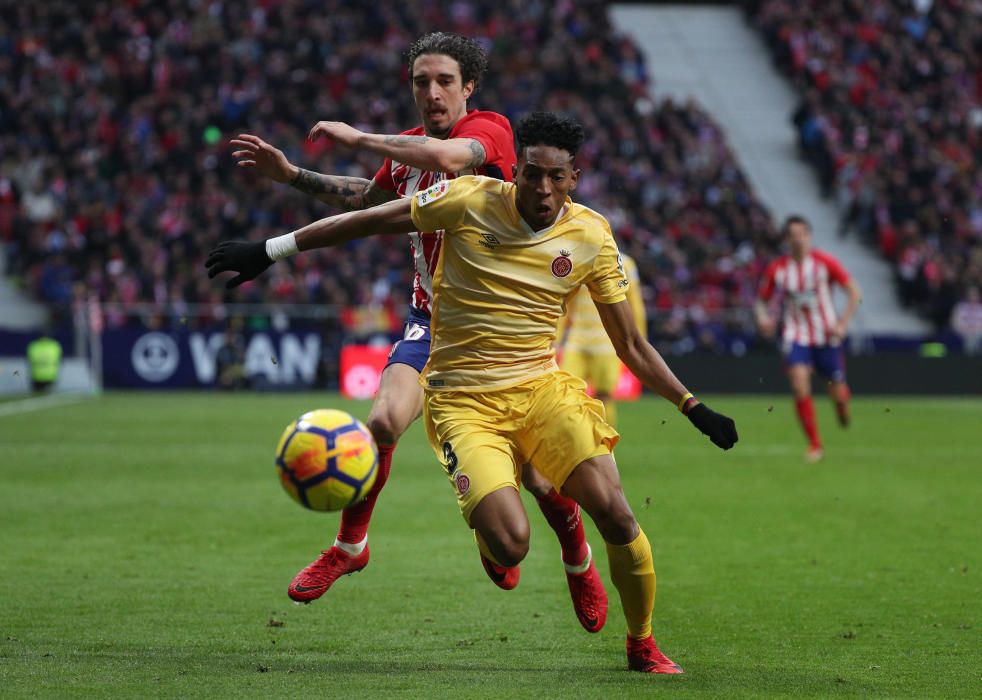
494,133
806,288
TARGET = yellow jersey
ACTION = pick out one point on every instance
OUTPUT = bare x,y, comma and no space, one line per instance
582,330
500,288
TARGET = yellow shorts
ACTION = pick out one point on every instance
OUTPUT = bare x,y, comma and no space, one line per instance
484,438
599,371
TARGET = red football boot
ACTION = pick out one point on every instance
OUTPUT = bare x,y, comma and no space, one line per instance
503,576
589,597
314,580
644,656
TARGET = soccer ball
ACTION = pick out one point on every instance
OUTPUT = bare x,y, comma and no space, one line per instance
327,460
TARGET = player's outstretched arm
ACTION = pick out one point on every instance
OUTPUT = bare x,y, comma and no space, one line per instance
648,365
391,217
251,258
348,193
423,152
343,192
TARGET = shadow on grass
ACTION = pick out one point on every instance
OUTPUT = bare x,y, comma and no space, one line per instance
504,670
718,679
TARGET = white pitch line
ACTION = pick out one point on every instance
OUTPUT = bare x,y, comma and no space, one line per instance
37,403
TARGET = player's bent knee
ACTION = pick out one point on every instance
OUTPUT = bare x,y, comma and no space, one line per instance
535,483
384,428
514,541
387,421
513,552
397,405
501,522
515,546
617,523
509,547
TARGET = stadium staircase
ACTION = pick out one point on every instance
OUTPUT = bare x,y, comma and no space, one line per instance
17,312
711,55
20,314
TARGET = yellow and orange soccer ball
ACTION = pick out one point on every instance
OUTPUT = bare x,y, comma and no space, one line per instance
327,460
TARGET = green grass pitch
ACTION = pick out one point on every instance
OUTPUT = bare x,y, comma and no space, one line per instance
146,546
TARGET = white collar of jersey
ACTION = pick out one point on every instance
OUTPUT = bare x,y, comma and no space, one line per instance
562,212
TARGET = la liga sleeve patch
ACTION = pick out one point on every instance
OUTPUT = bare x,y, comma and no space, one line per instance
432,193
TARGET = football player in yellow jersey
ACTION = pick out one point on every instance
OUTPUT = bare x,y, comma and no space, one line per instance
587,352
445,70
494,396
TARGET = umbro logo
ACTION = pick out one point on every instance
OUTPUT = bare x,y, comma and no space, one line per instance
490,241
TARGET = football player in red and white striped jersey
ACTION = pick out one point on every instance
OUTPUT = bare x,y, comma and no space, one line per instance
812,330
452,140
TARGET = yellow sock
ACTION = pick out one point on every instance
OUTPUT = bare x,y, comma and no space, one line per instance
633,571
610,408
483,546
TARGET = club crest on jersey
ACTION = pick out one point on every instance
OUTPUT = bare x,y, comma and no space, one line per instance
562,265
463,483
432,193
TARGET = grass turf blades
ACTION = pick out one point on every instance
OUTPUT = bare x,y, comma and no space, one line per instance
147,548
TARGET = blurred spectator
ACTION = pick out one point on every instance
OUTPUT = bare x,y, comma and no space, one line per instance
44,361
230,361
891,119
115,120
966,320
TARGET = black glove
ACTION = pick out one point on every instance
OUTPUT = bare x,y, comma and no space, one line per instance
249,259
720,429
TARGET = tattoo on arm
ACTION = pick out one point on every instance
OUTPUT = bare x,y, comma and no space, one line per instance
346,193
478,155
317,184
375,195
402,140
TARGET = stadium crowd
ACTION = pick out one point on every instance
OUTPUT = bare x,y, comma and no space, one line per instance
115,120
891,118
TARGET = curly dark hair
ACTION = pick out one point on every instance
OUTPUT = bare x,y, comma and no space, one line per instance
466,52
549,129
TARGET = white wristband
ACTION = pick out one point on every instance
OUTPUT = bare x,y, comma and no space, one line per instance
282,246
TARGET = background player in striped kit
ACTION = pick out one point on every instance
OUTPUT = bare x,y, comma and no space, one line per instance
812,331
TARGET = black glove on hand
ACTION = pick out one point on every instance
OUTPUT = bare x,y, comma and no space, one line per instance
720,429
249,259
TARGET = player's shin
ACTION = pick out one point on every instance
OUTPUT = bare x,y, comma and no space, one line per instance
841,395
563,515
632,570
806,415
355,520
